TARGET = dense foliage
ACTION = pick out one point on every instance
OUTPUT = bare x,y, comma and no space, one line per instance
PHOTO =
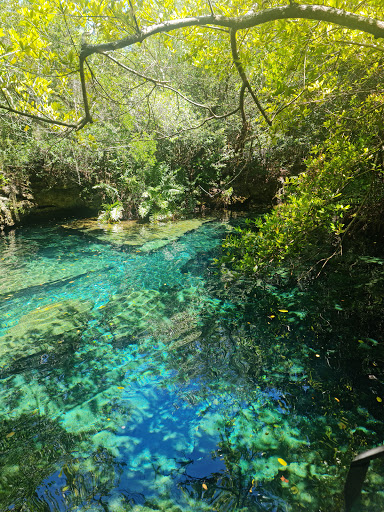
203,109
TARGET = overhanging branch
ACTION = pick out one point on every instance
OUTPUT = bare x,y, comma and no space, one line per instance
39,118
295,11
164,85
332,15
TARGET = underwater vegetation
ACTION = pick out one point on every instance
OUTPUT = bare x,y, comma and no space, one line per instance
133,380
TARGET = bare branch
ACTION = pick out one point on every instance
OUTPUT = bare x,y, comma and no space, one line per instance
210,7
163,84
240,69
242,93
292,11
288,104
133,71
39,118
134,18
87,118
373,46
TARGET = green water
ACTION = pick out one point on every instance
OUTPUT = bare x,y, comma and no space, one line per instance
133,379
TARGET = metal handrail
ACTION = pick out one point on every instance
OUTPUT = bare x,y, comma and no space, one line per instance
356,475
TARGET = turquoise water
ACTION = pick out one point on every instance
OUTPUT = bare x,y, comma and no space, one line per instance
134,379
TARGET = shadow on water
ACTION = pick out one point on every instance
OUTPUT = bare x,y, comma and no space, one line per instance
146,385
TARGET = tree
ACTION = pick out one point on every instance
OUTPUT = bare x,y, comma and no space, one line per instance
108,28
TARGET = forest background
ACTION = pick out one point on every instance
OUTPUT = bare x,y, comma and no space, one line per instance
156,110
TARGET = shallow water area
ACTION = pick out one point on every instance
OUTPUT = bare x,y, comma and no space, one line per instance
132,380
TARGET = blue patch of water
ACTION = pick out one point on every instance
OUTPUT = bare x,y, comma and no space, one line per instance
132,380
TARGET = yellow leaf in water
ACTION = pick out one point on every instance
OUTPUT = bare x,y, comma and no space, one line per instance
379,399
337,400
65,488
282,462
205,486
283,310
294,489
120,387
70,282
10,434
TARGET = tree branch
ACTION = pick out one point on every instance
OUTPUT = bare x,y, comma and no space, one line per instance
163,84
247,85
134,18
39,118
241,101
87,118
292,11
210,7
373,46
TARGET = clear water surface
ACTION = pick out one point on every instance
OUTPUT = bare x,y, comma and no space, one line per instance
133,379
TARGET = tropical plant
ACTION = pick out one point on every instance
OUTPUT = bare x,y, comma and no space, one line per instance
111,213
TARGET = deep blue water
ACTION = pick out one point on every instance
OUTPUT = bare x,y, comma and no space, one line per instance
133,378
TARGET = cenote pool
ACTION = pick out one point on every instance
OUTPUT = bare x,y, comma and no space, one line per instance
134,379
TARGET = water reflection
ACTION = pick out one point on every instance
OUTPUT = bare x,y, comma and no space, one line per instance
133,381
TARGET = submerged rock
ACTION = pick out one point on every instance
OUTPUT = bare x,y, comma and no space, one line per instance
134,234
43,330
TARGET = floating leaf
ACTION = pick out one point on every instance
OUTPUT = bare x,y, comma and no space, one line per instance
283,479
282,462
294,489
205,487
120,387
379,399
337,400
65,488
10,434
283,310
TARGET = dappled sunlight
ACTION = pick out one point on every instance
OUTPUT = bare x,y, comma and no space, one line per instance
139,387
